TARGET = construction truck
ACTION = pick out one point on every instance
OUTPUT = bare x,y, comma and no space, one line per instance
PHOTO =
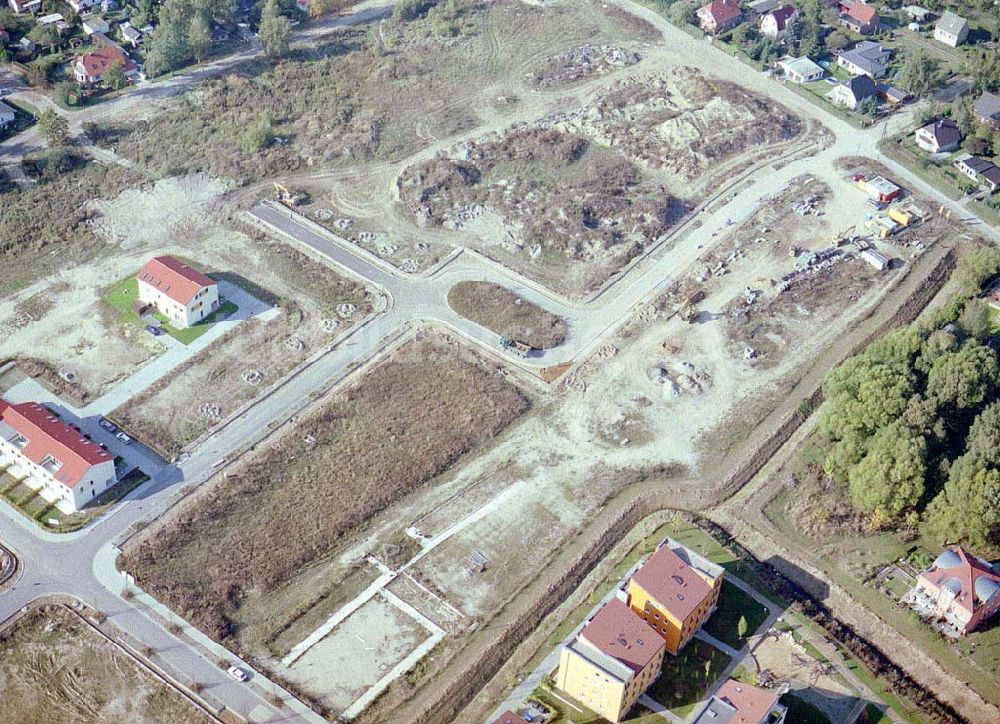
688,311
289,197
521,349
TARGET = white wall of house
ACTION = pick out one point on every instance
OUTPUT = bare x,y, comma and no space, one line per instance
204,303
948,38
99,478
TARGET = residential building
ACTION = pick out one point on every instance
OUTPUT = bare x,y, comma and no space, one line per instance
987,110
760,7
938,136
959,589
675,591
94,24
880,188
892,95
859,17
951,29
951,91
866,58
109,6
775,23
89,69
719,16
801,70
25,6
983,172
509,717
739,703
130,35
7,115
80,6
853,92
611,662
181,294
52,457
917,13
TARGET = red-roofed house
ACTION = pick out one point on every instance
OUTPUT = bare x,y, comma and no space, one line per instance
89,69
509,717
775,23
959,590
611,662
739,703
181,294
674,592
859,17
50,456
719,16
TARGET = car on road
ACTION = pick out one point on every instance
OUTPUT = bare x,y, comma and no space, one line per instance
239,674
154,330
108,425
124,438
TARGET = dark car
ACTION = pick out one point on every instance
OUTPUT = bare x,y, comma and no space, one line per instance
154,330
107,425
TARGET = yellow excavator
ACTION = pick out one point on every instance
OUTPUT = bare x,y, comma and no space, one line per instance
289,197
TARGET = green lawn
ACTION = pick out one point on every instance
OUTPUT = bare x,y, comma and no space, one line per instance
687,676
802,712
733,605
122,295
24,117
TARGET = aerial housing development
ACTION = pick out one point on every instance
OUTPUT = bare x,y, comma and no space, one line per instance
499,361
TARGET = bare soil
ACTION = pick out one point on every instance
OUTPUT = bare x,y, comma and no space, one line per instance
53,668
500,310
407,420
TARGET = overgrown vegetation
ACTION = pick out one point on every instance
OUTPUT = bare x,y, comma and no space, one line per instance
507,314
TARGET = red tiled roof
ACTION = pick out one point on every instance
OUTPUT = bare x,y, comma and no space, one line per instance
96,64
174,278
864,13
752,703
49,436
509,717
672,582
967,572
722,11
781,16
618,632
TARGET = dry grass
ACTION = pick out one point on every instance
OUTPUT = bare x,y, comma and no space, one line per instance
53,669
505,313
405,422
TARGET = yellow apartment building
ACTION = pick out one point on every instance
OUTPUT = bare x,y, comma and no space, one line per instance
674,592
611,662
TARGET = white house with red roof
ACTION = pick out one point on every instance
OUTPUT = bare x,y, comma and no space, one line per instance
89,69
182,294
739,703
719,16
775,23
959,591
50,456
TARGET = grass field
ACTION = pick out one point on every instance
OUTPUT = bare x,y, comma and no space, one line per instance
734,604
54,668
687,676
507,314
406,421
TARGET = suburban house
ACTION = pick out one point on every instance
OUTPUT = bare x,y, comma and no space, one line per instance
987,110
853,92
178,292
7,115
675,591
52,457
917,13
880,188
89,69
509,717
21,6
865,58
738,702
801,70
94,24
938,136
611,662
892,94
80,6
719,16
775,23
951,29
858,16
959,590
983,172
760,7
130,35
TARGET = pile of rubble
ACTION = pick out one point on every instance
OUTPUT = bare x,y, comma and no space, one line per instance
679,378
583,62
458,216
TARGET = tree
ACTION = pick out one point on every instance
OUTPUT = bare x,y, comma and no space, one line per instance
891,476
966,378
868,107
920,73
961,113
274,30
65,92
984,66
168,48
54,128
976,320
968,507
114,77
44,36
258,137
199,37
976,268
681,13
741,627
864,396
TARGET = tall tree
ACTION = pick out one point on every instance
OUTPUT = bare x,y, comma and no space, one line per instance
54,128
920,73
199,37
274,30
890,478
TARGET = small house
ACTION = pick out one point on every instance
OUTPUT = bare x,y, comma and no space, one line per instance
938,136
775,23
866,58
801,70
951,29
719,16
7,115
853,92
130,35
762,7
987,110
25,6
983,172
89,69
917,13
892,95
94,24
180,293
739,703
959,590
859,17
81,6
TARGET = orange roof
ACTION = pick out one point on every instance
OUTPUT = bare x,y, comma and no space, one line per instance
752,703
618,632
174,278
966,569
48,436
864,13
99,62
672,583
509,717
722,11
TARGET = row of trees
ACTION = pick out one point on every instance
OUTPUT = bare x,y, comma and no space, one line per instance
914,421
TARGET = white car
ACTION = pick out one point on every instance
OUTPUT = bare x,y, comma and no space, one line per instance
239,674
124,438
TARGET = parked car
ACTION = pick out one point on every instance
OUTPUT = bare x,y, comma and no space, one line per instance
154,330
108,425
124,438
239,674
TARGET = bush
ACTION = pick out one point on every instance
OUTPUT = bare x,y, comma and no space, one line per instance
258,137
412,9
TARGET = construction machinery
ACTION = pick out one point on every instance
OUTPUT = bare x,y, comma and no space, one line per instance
688,312
289,197
521,349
